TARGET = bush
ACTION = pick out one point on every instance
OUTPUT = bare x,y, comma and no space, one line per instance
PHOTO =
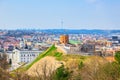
117,56
80,65
61,74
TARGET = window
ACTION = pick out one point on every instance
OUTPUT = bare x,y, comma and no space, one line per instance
33,54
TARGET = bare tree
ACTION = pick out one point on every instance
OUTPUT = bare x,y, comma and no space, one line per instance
3,61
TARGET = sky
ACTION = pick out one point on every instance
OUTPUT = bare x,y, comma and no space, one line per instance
60,14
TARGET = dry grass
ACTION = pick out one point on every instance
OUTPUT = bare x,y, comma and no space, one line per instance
45,66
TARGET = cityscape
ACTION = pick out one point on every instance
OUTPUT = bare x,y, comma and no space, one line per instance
59,40
24,46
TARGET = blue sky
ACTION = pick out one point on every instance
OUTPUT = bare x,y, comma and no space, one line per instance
48,14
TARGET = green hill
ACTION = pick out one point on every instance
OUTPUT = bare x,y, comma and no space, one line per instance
51,51
72,67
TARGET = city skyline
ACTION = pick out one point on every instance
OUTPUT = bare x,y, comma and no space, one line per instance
48,14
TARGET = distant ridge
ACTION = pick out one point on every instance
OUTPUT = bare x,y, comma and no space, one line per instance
79,31
68,31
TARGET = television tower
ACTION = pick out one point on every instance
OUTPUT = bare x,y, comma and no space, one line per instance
64,38
62,24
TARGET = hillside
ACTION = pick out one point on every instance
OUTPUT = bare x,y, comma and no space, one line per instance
53,58
52,51
50,60
44,66
53,65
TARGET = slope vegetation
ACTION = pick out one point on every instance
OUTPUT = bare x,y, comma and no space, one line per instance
52,51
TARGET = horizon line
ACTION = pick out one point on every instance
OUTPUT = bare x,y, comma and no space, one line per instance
57,29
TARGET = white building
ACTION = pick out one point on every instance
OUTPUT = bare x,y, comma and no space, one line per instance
26,56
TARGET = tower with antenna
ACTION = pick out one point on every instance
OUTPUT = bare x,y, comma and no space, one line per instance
62,24
64,38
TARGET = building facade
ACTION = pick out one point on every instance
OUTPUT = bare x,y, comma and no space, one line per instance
25,56
64,39
116,39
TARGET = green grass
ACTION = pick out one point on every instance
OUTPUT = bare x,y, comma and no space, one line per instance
74,56
52,51
57,54
49,52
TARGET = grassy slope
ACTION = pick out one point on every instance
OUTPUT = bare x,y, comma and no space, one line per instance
49,52
72,61
52,51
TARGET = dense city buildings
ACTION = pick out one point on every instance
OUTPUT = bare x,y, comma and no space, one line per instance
23,46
